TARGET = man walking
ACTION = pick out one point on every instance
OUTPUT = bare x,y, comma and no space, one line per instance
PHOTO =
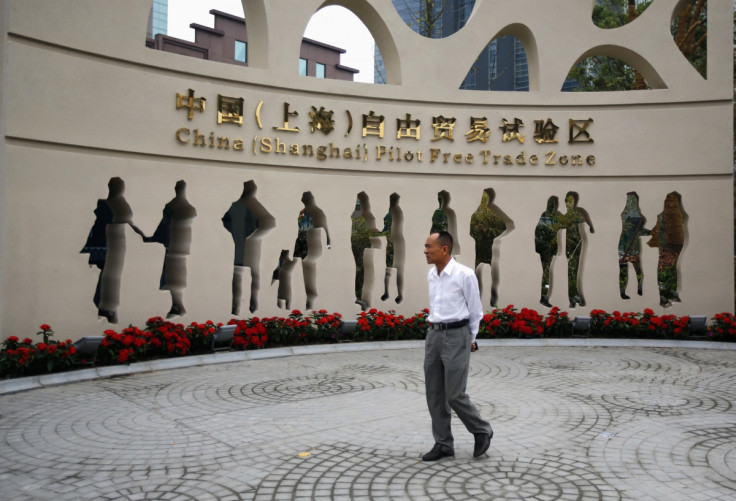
454,314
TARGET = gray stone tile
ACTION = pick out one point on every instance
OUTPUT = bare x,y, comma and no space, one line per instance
632,421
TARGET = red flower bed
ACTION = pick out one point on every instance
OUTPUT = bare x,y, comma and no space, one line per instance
23,357
646,324
508,322
724,326
385,326
251,332
162,338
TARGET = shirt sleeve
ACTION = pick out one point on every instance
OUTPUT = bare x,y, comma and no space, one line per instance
472,299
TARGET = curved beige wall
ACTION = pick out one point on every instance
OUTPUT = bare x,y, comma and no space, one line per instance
83,101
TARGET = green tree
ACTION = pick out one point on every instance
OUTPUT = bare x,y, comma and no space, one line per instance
424,16
428,19
689,30
603,73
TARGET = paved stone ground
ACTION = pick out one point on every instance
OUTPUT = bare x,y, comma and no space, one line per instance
570,423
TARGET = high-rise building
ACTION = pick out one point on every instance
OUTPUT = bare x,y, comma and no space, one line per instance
158,19
495,65
501,65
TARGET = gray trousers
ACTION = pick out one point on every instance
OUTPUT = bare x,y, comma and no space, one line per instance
446,361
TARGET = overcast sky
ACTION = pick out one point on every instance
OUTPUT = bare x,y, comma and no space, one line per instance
332,25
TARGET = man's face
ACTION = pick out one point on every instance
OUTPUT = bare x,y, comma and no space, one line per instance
433,251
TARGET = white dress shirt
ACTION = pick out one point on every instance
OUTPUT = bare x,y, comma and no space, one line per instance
454,296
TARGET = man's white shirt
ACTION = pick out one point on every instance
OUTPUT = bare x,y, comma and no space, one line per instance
454,295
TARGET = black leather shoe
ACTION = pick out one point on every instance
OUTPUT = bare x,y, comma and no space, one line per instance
438,452
482,443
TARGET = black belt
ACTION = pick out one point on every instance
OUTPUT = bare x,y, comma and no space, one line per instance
449,325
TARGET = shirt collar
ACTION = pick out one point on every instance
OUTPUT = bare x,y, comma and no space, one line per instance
447,270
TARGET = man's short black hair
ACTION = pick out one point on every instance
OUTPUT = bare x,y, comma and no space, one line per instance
444,238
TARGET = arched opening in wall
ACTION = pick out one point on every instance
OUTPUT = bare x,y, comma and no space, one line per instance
608,14
434,18
501,65
437,19
605,72
689,31
601,73
338,45
214,30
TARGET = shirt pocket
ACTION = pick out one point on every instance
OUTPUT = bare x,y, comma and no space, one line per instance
453,300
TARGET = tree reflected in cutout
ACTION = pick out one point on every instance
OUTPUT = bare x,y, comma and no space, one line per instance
486,224
669,236
545,244
574,236
443,219
362,223
629,243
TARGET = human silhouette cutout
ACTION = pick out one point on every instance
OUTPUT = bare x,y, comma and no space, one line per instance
282,275
360,240
571,221
106,247
393,223
440,220
545,244
443,219
487,223
629,244
174,232
668,235
248,221
310,217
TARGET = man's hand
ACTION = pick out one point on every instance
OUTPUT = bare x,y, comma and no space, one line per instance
474,347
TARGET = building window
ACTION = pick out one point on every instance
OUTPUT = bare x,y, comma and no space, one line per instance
492,60
241,51
470,81
521,70
302,67
320,70
159,17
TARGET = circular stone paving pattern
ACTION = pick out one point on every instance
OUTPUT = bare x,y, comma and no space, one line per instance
367,476
570,424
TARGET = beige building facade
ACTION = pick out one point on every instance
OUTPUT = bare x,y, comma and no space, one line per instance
106,140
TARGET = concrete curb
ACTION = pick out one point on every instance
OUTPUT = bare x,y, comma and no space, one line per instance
33,382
